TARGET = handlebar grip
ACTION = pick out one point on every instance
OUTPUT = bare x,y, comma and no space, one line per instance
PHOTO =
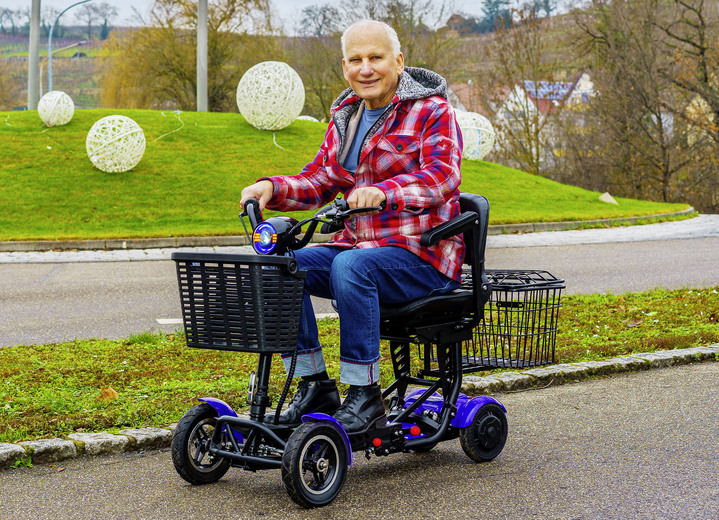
252,210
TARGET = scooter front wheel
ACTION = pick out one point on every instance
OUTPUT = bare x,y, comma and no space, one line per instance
486,435
314,464
190,447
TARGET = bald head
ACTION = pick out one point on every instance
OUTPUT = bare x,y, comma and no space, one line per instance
364,25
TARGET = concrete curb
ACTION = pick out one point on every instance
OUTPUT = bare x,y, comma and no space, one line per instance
552,375
92,444
240,240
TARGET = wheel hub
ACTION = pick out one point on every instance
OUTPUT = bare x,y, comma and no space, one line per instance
322,465
488,430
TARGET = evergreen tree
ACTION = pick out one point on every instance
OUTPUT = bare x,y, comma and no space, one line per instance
496,13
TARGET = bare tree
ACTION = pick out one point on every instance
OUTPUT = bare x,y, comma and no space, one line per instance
106,13
691,34
637,144
319,20
6,20
48,17
318,61
154,67
514,60
88,15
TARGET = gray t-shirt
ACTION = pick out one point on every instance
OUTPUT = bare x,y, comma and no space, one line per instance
369,117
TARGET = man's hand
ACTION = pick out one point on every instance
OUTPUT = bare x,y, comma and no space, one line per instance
262,191
364,197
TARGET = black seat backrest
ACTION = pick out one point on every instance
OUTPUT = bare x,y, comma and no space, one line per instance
460,310
475,241
475,246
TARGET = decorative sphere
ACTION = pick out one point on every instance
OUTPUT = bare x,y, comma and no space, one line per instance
55,108
270,95
477,133
115,144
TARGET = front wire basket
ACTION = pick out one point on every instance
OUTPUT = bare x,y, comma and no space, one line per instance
248,303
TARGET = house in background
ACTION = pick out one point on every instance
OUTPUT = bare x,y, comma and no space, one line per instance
530,105
527,97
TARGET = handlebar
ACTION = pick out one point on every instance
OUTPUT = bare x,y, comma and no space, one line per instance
286,229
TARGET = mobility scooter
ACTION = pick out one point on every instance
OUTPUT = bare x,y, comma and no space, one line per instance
252,303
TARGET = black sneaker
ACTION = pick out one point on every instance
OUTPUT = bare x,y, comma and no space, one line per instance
310,397
362,409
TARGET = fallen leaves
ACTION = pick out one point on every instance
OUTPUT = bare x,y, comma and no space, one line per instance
631,323
108,394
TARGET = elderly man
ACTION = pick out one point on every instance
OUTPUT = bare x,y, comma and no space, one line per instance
393,138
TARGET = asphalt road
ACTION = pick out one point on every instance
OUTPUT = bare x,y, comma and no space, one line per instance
635,446
52,302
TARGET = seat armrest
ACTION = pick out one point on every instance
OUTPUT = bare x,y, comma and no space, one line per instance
455,226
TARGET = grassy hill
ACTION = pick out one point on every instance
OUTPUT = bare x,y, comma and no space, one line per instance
194,168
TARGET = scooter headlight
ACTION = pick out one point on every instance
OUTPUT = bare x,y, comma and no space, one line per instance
264,238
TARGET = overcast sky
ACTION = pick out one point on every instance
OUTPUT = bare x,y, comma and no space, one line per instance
287,9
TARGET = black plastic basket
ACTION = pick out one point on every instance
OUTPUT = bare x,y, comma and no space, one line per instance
247,303
519,328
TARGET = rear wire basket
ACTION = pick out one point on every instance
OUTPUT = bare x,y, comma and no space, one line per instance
519,328
248,303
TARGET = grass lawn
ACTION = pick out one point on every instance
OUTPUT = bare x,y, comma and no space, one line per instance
195,165
54,390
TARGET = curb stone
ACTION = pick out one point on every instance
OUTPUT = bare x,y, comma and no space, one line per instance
90,444
10,454
50,450
566,372
100,443
148,438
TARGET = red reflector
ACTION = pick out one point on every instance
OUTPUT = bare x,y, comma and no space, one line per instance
376,442
414,431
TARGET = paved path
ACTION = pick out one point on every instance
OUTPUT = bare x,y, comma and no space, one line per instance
635,446
698,227
59,296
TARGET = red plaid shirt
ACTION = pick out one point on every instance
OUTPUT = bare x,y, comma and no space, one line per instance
413,157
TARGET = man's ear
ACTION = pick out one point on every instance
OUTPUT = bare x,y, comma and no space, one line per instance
400,63
344,69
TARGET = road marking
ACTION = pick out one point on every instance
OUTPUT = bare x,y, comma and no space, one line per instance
169,321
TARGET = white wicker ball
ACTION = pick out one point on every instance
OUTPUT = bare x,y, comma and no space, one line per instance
478,134
56,108
115,144
270,95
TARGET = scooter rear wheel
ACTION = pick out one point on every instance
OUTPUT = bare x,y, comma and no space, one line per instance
190,447
314,464
485,436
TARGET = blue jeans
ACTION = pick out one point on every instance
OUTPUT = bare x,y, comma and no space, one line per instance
358,279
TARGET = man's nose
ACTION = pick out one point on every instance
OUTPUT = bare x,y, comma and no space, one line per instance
366,69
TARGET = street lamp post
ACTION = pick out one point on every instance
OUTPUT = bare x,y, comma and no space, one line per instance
33,58
49,44
202,56
83,42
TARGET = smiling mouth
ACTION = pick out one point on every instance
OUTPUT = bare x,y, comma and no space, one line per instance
369,83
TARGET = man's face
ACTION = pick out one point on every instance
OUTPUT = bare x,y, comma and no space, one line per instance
370,67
